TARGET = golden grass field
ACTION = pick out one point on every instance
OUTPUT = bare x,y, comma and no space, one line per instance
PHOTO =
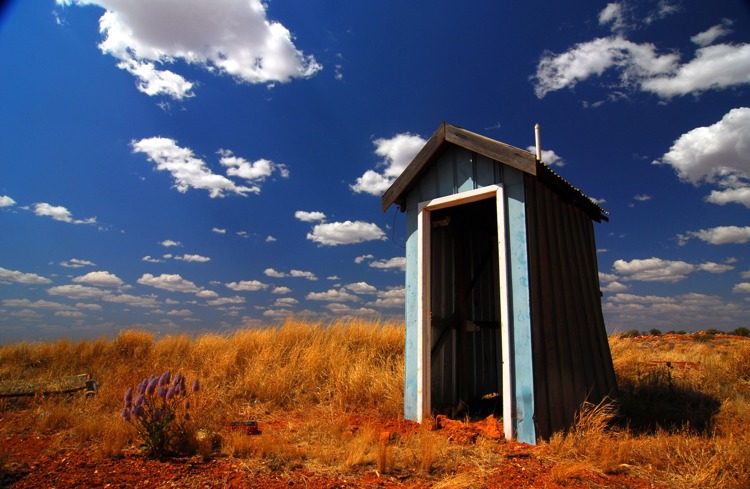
682,418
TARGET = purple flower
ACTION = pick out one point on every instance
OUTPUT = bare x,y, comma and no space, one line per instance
128,397
125,414
157,415
142,386
187,416
139,400
151,386
187,405
162,392
196,385
138,411
177,379
170,392
164,379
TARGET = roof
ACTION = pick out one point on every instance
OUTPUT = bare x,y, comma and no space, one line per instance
495,150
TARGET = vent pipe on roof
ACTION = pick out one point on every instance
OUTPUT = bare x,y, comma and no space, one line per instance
538,142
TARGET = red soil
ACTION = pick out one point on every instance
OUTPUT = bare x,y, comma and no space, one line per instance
29,459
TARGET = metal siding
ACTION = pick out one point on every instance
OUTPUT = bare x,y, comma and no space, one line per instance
570,342
464,170
485,171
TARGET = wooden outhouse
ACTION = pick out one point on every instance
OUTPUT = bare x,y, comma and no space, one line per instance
503,306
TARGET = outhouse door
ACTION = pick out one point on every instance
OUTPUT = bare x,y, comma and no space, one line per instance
464,306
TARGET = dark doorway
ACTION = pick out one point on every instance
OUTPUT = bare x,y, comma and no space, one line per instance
466,375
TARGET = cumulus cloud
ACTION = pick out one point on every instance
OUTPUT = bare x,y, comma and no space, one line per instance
247,286
398,263
708,37
361,288
391,298
227,37
742,288
193,258
397,152
718,235
718,154
39,304
660,270
314,216
59,213
256,171
332,295
168,243
348,232
76,263
270,272
6,201
362,258
186,170
219,230
170,282
77,292
22,278
640,66
100,279
281,291
548,156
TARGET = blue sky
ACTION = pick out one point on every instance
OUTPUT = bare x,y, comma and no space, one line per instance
190,166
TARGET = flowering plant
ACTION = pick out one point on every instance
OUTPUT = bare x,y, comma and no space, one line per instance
159,409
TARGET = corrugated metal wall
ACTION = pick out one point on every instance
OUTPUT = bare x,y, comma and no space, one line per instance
464,297
572,360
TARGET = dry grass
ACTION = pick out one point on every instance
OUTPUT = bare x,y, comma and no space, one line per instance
685,423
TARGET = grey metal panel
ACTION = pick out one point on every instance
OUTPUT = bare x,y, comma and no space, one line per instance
486,171
446,176
572,361
464,170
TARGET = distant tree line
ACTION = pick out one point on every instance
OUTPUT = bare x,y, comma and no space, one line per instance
709,333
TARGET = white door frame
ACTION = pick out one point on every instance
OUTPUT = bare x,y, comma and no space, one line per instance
424,336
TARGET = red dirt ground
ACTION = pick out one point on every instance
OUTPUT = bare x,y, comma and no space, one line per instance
29,459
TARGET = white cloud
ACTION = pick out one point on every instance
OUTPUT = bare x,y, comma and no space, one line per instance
76,263
186,170
207,294
612,14
362,258
361,288
270,272
398,262
39,304
708,37
332,295
397,152
660,270
226,300
193,258
257,171
22,278
642,197
548,156
634,61
219,231
170,282
6,201
338,233
179,312
150,259
168,243
59,213
270,239
719,235
305,216
392,298
77,292
641,67
717,154
692,311
742,288
281,290
615,286
100,279
714,67
132,300
228,37
70,314
247,286
286,302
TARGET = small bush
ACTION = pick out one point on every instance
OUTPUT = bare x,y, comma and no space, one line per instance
741,331
632,333
654,332
159,413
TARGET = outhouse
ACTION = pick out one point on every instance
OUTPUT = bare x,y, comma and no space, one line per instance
503,306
